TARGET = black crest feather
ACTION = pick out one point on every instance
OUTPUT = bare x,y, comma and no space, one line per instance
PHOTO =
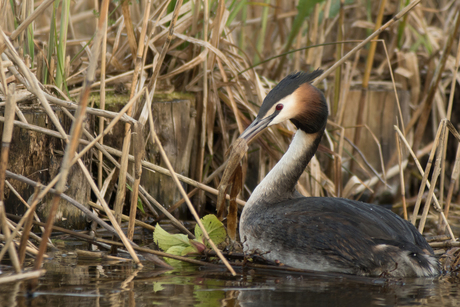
286,87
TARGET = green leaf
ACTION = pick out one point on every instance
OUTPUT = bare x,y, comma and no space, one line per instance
166,240
140,206
157,287
214,227
191,250
176,250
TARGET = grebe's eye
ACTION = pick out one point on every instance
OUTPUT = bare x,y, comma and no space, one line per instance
279,107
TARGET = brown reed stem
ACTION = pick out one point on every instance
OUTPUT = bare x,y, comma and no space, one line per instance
138,139
129,26
121,191
25,233
6,142
401,176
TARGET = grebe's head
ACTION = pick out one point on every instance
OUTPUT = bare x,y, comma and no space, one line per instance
295,99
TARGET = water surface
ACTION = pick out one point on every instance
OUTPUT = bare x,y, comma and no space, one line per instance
70,282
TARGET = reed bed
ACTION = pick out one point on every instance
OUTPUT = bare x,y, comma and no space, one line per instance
229,54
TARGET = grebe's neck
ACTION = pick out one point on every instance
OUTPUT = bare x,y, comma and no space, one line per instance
280,182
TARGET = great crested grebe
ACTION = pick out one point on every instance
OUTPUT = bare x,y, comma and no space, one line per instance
322,233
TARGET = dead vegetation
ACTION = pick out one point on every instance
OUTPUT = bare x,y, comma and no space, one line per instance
390,81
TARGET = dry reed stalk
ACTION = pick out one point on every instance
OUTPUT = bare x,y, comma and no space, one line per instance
15,228
453,182
112,79
32,81
128,244
22,276
4,87
439,135
195,190
27,215
97,256
398,103
322,34
138,140
69,104
455,170
204,105
401,175
338,159
88,213
6,141
421,171
102,101
16,193
443,167
182,178
74,140
395,18
373,45
156,140
436,172
142,250
25,234
230,96
180,202
138,145
151,87
129,26
360,153
364,98
94,141
40,9
106,151
219,22
124,217
427,103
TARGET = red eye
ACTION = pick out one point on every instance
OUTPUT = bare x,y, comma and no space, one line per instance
279,107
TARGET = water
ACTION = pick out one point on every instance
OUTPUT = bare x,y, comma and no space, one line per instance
70,282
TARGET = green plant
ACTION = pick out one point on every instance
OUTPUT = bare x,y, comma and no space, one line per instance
181,245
